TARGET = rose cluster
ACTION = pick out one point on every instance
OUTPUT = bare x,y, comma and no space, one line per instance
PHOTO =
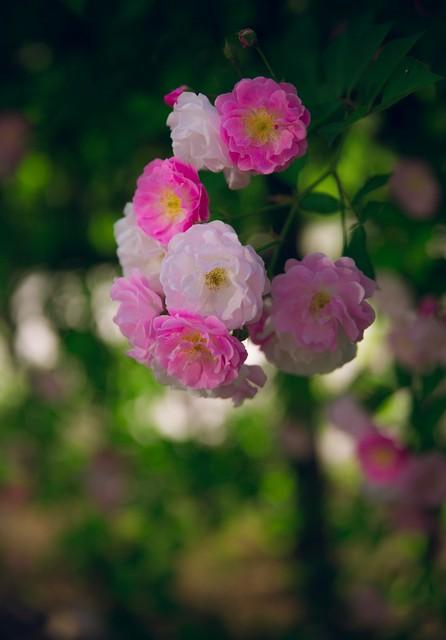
191,290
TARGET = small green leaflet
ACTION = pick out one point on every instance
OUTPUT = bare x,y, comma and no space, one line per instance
357,249
375,182
410,76
320,203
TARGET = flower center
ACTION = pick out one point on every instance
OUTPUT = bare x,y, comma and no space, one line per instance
318,302
260,125
383,457
198,348
216,279
172,205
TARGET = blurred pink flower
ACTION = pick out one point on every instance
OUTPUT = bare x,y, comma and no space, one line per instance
415,188
419,342
429,306
393,297
171,97
316,299
169,198
410,517
382,459
263,124
14,134
348,415
107,479
194,351
424,482
139,305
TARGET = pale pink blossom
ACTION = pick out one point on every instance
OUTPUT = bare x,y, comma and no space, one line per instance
208,271
249,380
348,415
169,198
194,351
424,482
138,306
417,335
393,297
418,342
263,124
383,460
282,349
136,250
171,97
316,300
415,188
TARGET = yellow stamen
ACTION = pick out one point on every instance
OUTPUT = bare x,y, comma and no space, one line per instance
216,279
171,204
198,347
383,457
260,125
319,301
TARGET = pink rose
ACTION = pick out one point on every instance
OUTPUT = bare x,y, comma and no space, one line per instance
264,124
194,351
169,198
139,305
317,299
287,354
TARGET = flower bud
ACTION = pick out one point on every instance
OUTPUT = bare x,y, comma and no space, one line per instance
247,38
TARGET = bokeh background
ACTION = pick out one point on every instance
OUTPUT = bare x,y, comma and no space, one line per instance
128,510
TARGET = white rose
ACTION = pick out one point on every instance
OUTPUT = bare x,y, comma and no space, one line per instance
208,271
195,133
136,250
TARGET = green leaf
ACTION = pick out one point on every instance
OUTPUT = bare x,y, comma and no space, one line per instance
372,209
357,249
320,203
380,70
410,76
375,182
350,53
331,130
